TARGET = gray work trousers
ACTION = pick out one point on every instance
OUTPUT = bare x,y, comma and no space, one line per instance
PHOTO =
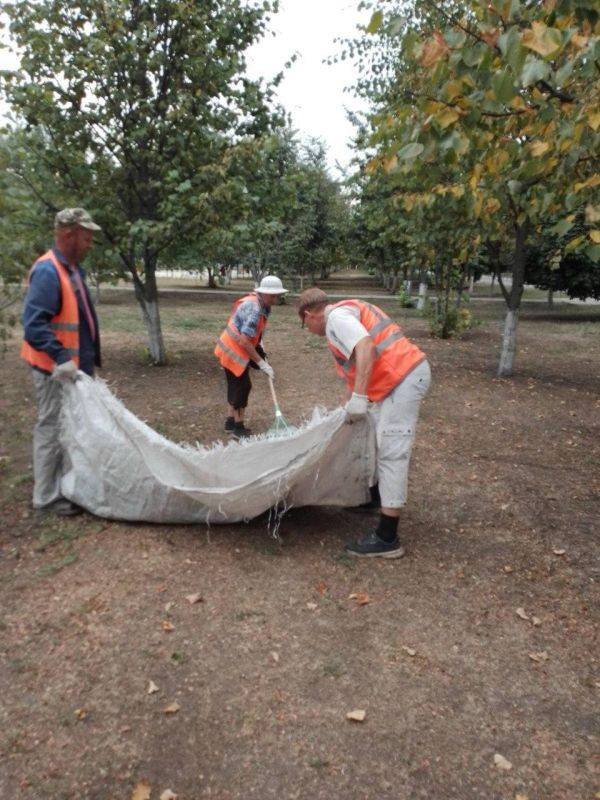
395,422
47,451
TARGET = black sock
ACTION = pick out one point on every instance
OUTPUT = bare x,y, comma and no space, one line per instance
387,528
375,497
239,425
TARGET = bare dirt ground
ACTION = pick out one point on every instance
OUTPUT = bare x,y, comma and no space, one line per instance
503,515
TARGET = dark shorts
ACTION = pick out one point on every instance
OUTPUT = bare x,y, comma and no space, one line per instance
238,388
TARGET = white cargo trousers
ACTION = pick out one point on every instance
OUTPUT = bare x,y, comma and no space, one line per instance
395,423
47,450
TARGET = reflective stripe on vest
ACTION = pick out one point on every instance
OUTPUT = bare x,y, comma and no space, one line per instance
396,355
65,324
228,350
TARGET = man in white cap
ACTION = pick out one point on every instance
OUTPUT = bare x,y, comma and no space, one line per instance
240,348
60,337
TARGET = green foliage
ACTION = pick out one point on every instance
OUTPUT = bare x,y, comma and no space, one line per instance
404,298
484,127
551,264
145,122
446,322
293,218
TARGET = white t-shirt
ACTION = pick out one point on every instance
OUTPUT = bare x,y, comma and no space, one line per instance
344,329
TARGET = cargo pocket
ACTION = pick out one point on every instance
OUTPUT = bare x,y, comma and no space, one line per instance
396,442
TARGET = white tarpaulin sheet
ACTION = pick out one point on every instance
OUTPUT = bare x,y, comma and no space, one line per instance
117,467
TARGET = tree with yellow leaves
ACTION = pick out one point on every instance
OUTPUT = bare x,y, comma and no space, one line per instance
507,93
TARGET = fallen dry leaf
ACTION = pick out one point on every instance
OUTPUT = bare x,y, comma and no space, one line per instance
194,598
173,708
521,797
536,621
168,795
558,551
409,650
152,688
81,713
508,569
142,791
168,626
358,715
321,587
523,614
169,606
311,606
275,656
502,763
362,598
539,657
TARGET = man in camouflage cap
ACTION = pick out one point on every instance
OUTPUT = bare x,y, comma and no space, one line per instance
75,216
61,339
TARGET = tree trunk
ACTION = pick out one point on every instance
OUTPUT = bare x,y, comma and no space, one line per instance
422,296
509,344
147,296
471,283
156,345
513,301
492,284
550,298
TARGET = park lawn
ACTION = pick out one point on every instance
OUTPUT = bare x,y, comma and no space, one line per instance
503,515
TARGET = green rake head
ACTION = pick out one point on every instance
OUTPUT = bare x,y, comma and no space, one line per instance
281,427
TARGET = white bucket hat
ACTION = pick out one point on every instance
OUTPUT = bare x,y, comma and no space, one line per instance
271,284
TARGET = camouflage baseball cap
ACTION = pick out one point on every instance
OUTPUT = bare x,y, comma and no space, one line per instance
75,216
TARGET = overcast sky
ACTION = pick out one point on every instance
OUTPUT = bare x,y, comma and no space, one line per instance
312,92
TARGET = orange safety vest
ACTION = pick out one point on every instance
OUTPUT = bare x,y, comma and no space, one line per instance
396,355
230,353
65,324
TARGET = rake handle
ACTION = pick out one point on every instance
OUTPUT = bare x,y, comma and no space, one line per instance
273,395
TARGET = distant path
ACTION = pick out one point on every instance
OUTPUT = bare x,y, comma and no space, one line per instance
337,296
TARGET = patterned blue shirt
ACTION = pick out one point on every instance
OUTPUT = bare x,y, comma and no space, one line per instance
247,316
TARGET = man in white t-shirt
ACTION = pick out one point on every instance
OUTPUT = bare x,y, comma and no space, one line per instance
387,376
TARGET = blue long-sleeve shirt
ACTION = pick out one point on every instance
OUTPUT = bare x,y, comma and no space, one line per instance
43,302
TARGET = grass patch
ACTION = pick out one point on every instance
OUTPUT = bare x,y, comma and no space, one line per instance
333,669
244,615
178,657
55,535
271,549
344,560
56,566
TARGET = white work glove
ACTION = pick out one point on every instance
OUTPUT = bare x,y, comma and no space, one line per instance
266,368
356,407
66,372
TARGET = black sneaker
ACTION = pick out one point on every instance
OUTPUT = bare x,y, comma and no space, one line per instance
65,508
229,424
241,432
372,546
